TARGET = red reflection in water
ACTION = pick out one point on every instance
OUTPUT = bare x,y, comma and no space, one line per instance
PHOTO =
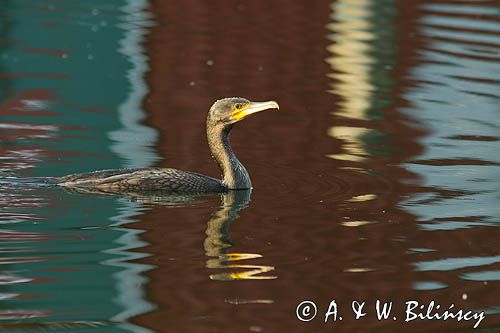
57,53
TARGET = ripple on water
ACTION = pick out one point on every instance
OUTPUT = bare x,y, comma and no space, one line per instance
451,264
482,276
336,185
461,59
429,285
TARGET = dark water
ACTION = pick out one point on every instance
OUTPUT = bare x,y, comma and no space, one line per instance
379,178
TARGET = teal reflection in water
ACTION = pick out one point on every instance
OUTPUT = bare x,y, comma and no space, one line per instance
482,276
455,263
458,101
69,264
71,80
76,66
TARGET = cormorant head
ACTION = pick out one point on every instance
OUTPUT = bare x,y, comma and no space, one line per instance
228,111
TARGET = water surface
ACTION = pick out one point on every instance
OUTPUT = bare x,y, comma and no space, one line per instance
377,179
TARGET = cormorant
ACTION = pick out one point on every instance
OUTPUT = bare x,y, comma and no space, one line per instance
221,118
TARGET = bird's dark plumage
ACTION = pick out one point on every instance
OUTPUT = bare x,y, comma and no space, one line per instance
145,179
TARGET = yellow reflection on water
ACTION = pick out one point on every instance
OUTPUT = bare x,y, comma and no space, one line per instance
251,273
356,223
217,243
363,197
351,63
358,270
249,301
353,147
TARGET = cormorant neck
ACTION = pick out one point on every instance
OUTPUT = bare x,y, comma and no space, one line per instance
234,174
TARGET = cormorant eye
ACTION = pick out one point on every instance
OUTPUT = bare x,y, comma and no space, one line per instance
238,106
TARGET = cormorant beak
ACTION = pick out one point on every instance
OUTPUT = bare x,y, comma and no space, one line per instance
252,108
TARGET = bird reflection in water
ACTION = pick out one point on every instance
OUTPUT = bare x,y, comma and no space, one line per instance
218,243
